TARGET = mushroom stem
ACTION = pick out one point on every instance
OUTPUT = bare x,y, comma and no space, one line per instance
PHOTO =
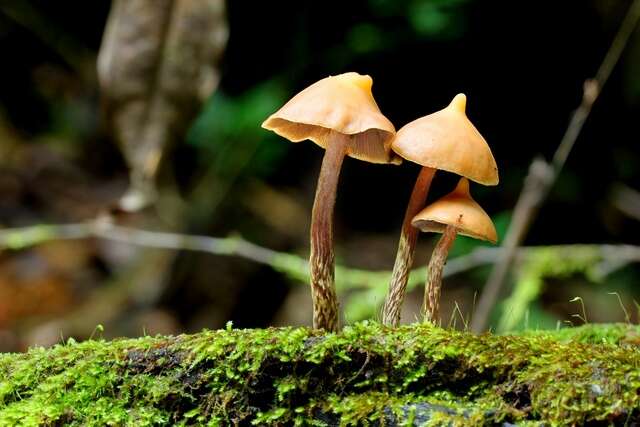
431,304
321,260
406,249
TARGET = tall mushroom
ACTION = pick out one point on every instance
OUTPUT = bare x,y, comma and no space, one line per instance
456,213
444,140
339,114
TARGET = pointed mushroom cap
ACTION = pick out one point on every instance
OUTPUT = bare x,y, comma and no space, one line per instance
342,103
460,210
447,140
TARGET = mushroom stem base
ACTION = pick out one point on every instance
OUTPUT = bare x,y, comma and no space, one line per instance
406,249
431,304
322,260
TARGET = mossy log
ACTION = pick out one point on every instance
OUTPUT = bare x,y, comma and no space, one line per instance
365,375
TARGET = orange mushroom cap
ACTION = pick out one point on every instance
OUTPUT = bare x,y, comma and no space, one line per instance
344,104
457,209
447,140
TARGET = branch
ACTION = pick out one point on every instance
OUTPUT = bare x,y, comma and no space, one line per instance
296,267
542,175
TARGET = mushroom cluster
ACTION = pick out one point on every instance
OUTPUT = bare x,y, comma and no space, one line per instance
339,114
445,140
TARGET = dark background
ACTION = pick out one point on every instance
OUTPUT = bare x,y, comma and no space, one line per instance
521,64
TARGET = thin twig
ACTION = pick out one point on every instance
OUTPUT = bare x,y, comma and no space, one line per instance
542,175
611,256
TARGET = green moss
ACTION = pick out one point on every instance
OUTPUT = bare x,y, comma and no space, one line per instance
365,375
594,333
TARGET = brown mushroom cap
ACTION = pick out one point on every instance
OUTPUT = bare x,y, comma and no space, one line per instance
344,104
459,210
447,140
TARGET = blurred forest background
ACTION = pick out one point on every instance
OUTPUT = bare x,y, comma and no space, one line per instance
174,105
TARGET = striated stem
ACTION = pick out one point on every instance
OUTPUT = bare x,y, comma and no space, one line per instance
406,249
431,304
322,260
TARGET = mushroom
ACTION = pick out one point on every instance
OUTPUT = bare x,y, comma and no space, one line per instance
339,114
455,213
444,140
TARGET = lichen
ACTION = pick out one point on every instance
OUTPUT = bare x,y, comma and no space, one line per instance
365,375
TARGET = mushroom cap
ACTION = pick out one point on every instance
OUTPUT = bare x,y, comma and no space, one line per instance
459,210
447,140
344,104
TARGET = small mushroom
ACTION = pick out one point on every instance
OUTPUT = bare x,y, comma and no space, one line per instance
455,213
339,114
444,140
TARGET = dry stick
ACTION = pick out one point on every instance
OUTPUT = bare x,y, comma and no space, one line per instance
322,260
542,175
431,303
406,249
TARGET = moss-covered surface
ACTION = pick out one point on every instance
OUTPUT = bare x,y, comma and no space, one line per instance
365,375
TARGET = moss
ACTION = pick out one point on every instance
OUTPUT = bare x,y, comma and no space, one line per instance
365,375
604,333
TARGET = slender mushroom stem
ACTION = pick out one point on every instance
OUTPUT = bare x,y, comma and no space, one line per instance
322,260
406,249
431,304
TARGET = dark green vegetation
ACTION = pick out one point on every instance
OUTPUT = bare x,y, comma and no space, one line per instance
365,375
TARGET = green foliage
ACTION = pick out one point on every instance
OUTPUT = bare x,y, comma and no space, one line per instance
25,239
413,375
366,38
545,263
365,304
433,19
442,19
228,130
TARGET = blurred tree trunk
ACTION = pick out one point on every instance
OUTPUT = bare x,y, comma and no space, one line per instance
156,67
